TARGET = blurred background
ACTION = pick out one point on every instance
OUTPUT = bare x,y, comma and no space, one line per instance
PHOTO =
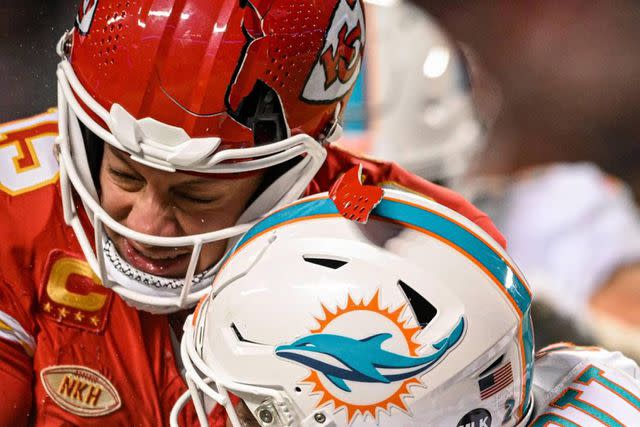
530,109
29,31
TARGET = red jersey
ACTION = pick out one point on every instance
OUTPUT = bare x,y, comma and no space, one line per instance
71,351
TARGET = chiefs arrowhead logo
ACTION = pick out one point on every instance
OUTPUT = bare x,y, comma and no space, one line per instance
341,64
85,15
340,59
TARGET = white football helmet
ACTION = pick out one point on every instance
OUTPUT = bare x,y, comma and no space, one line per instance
174,103
416,318
413,104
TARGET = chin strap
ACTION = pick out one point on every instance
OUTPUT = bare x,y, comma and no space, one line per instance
117,266
126,279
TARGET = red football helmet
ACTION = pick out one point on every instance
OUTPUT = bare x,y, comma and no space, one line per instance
230,86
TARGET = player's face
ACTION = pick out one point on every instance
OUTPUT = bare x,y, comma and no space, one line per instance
169,205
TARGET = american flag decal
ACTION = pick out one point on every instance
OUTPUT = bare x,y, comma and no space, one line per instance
496,381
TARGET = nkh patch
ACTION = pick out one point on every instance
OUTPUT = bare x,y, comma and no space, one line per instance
495,381
80,390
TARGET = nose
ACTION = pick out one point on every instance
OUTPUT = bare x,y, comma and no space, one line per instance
153,214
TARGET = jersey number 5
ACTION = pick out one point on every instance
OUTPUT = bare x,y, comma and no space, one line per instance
27,161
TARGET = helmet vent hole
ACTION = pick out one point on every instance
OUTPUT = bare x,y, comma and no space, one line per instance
423,310
331,263
236,331
110,30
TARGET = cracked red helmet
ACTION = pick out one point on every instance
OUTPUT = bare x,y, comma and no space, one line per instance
225,87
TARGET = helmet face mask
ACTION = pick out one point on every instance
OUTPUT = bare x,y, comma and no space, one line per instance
375,324
233,108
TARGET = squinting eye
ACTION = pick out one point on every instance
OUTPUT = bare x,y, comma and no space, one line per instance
195,199
121,174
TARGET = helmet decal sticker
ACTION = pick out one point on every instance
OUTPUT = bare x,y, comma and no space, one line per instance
85,15
384,361
495,381
478,417
337,64
340,59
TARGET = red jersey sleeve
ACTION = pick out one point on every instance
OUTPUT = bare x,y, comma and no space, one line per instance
389,174
16,364
27,164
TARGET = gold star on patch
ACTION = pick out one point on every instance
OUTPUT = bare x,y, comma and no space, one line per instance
79,316
62,312
47,307
94,320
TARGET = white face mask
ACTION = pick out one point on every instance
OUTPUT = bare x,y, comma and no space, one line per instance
167,148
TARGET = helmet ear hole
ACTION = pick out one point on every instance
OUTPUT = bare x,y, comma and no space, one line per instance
262,111
265,132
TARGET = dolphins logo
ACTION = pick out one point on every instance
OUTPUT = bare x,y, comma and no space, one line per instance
363,360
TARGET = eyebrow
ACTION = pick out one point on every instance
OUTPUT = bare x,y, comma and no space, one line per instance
194,182
126,158
119,154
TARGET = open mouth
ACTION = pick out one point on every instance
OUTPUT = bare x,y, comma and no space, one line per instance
167,263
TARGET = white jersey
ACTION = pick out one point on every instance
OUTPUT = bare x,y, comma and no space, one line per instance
585,387
569,227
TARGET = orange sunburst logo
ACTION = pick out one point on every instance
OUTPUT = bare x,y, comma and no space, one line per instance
379,318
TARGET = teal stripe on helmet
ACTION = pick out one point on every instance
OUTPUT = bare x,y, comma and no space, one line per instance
417,217
441,226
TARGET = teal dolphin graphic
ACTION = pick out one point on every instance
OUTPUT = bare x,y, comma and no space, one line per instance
341,358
